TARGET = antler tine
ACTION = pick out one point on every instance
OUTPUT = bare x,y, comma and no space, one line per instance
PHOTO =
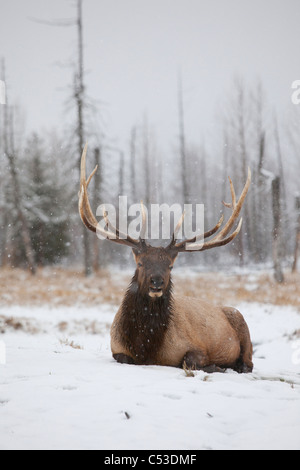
91,176
202,236
232,204
85,210
221,238
117,235
87,215
225,241
176,231
236,207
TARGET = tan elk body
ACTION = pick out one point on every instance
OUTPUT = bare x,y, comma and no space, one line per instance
200,335
154,326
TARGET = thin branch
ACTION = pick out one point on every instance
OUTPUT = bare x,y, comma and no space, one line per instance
58,22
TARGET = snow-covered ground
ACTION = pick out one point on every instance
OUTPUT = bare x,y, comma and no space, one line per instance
55,396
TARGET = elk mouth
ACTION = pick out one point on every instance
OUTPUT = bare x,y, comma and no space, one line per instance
155,292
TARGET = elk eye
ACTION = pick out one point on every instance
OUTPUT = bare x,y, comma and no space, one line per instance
140,265
171,268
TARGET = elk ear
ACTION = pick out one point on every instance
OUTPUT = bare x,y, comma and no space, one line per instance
173,253
136,253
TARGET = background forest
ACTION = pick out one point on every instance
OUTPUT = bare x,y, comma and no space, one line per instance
39,219
39,178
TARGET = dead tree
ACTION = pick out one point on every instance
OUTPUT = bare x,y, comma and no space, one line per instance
297,242
121,174
25,233
78,97
243,155
278,274
133,164
10,154
182,142
146,158
258,196
258,201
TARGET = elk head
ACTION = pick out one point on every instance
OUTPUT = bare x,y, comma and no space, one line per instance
154,265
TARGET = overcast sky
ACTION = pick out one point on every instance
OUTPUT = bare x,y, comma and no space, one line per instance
133,50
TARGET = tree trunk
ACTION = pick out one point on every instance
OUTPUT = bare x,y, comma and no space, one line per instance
183,156
278,274
259,201
25,233
10,154
297,242
245,235
146,157
286,232
79,98
132,166
121,174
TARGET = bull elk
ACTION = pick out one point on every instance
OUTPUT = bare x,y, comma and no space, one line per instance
153,326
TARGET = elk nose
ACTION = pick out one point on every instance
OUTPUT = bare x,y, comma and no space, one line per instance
157,281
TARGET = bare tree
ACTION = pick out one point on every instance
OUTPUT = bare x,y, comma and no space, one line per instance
244,157
133,164
297,241
10,154
258,197
79,90
79,98
121,174
146,160
182,142
280,164
278,274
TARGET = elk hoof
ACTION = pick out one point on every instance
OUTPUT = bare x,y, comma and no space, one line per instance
243,368
123,359
194,360
197,360
213,368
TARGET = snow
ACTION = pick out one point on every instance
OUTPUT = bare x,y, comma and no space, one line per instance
53,396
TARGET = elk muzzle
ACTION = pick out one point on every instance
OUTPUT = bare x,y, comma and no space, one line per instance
156,286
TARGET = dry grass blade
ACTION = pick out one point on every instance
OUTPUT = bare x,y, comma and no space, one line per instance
189,371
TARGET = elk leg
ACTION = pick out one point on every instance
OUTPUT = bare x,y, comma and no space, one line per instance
243,365
198,360
123,359
195,360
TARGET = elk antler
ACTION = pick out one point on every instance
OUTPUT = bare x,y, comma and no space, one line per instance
89,219
221,238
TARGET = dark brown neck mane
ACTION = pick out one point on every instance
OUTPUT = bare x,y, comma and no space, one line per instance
145,321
